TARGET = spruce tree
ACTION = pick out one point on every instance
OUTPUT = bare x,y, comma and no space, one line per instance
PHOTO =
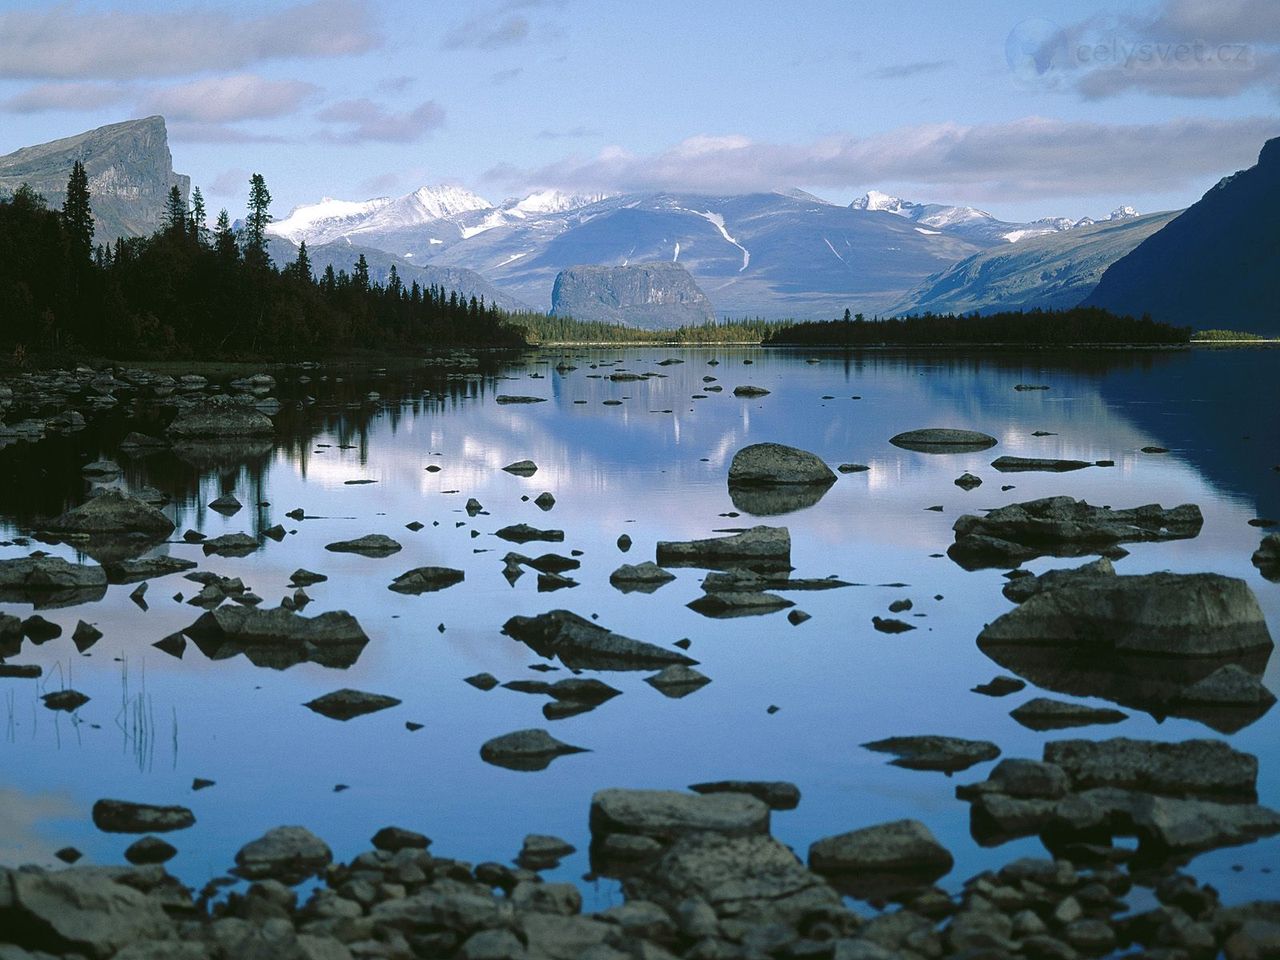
224,241
362,274
255,250
77,215
199,227
175,212
301,267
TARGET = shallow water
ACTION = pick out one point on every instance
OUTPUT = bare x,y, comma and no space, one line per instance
654,468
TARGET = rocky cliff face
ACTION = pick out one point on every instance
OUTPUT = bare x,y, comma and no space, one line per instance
130,173
653,296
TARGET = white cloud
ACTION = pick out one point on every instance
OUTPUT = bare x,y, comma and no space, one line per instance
65,96
225,99
364,121
68,42
1029,158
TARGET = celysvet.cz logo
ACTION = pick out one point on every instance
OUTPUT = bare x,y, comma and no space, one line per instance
1042,53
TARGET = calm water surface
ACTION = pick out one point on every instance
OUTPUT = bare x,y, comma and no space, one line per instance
653,468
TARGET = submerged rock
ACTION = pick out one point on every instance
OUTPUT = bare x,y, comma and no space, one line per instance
767,546
67,700
677,681
580,643
760,500
777,464
522,468
1062,526
427,580
642,577
523,533
123,816
526,750
722,606
775,794
881,860
932,752
220,417
1020,464
347,704
943,440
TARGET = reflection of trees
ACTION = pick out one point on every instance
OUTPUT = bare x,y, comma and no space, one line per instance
42,480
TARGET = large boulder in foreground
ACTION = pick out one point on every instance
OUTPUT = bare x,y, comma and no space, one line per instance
580,643
112,512
758,546
1063,527
776,463
883,859
1170,614
218,418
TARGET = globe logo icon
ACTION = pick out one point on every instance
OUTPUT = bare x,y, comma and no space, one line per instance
1031,50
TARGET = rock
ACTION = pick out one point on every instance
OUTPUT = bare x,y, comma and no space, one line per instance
1043,713
734,579
123,816
774,463
653,295
1061,526
664,815
771,500
1025,779
287,854
370,545
101,470
967,481
147,568
1229,685
1267,557
21,671
1021,464
891,625
230,545
78,912
1000,686
523,533
482,681
933,752
642,577
112,512
393,839
543,852
1022,589
853,468
775,794
50,582
346,704
1192,615
150,850
39,630
722,606
279,638
220,418
797,617
580,643
427,580
768,546
749,878
305,578
227,504
522,468
623,542
677,681
67,700
899,855
749,391
526,750
510,398
544,501
1191,768
943,440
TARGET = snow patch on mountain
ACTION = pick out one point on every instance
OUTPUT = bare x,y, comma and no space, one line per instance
717,221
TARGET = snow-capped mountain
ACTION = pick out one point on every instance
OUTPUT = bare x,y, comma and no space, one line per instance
975,224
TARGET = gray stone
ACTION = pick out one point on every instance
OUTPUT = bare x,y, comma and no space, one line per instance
371,545
230,545
1042,464
346,704
279,638
934,752
427,580
758,545
943,440
1230,685
896,855
526,750
1190,768
656,295
664,815
112,512
50,581
522,468
1044,713
218,418
677,681
580,643
776,794
643,577
722,606
287,854
1021,589
775,463
123,816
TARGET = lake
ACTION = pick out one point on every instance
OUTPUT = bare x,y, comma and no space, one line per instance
653,467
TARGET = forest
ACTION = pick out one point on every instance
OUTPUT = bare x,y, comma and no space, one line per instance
189,291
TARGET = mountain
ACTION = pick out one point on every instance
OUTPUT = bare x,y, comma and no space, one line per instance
972,223
1053,270
130,173
1213,266
343,254
653,296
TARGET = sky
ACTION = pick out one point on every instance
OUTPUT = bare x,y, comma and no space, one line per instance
1026,108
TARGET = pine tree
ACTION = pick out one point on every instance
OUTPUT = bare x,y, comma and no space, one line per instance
301,267
393,282
199,227
175,212
224,241
329,281
255,250
77,215
362,274
848,318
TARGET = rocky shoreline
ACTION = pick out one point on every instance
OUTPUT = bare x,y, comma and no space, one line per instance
701,878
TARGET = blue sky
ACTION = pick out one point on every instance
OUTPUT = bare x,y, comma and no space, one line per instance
1024,108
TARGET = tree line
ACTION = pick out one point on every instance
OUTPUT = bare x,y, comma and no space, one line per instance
191,291
554,329
1075,326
